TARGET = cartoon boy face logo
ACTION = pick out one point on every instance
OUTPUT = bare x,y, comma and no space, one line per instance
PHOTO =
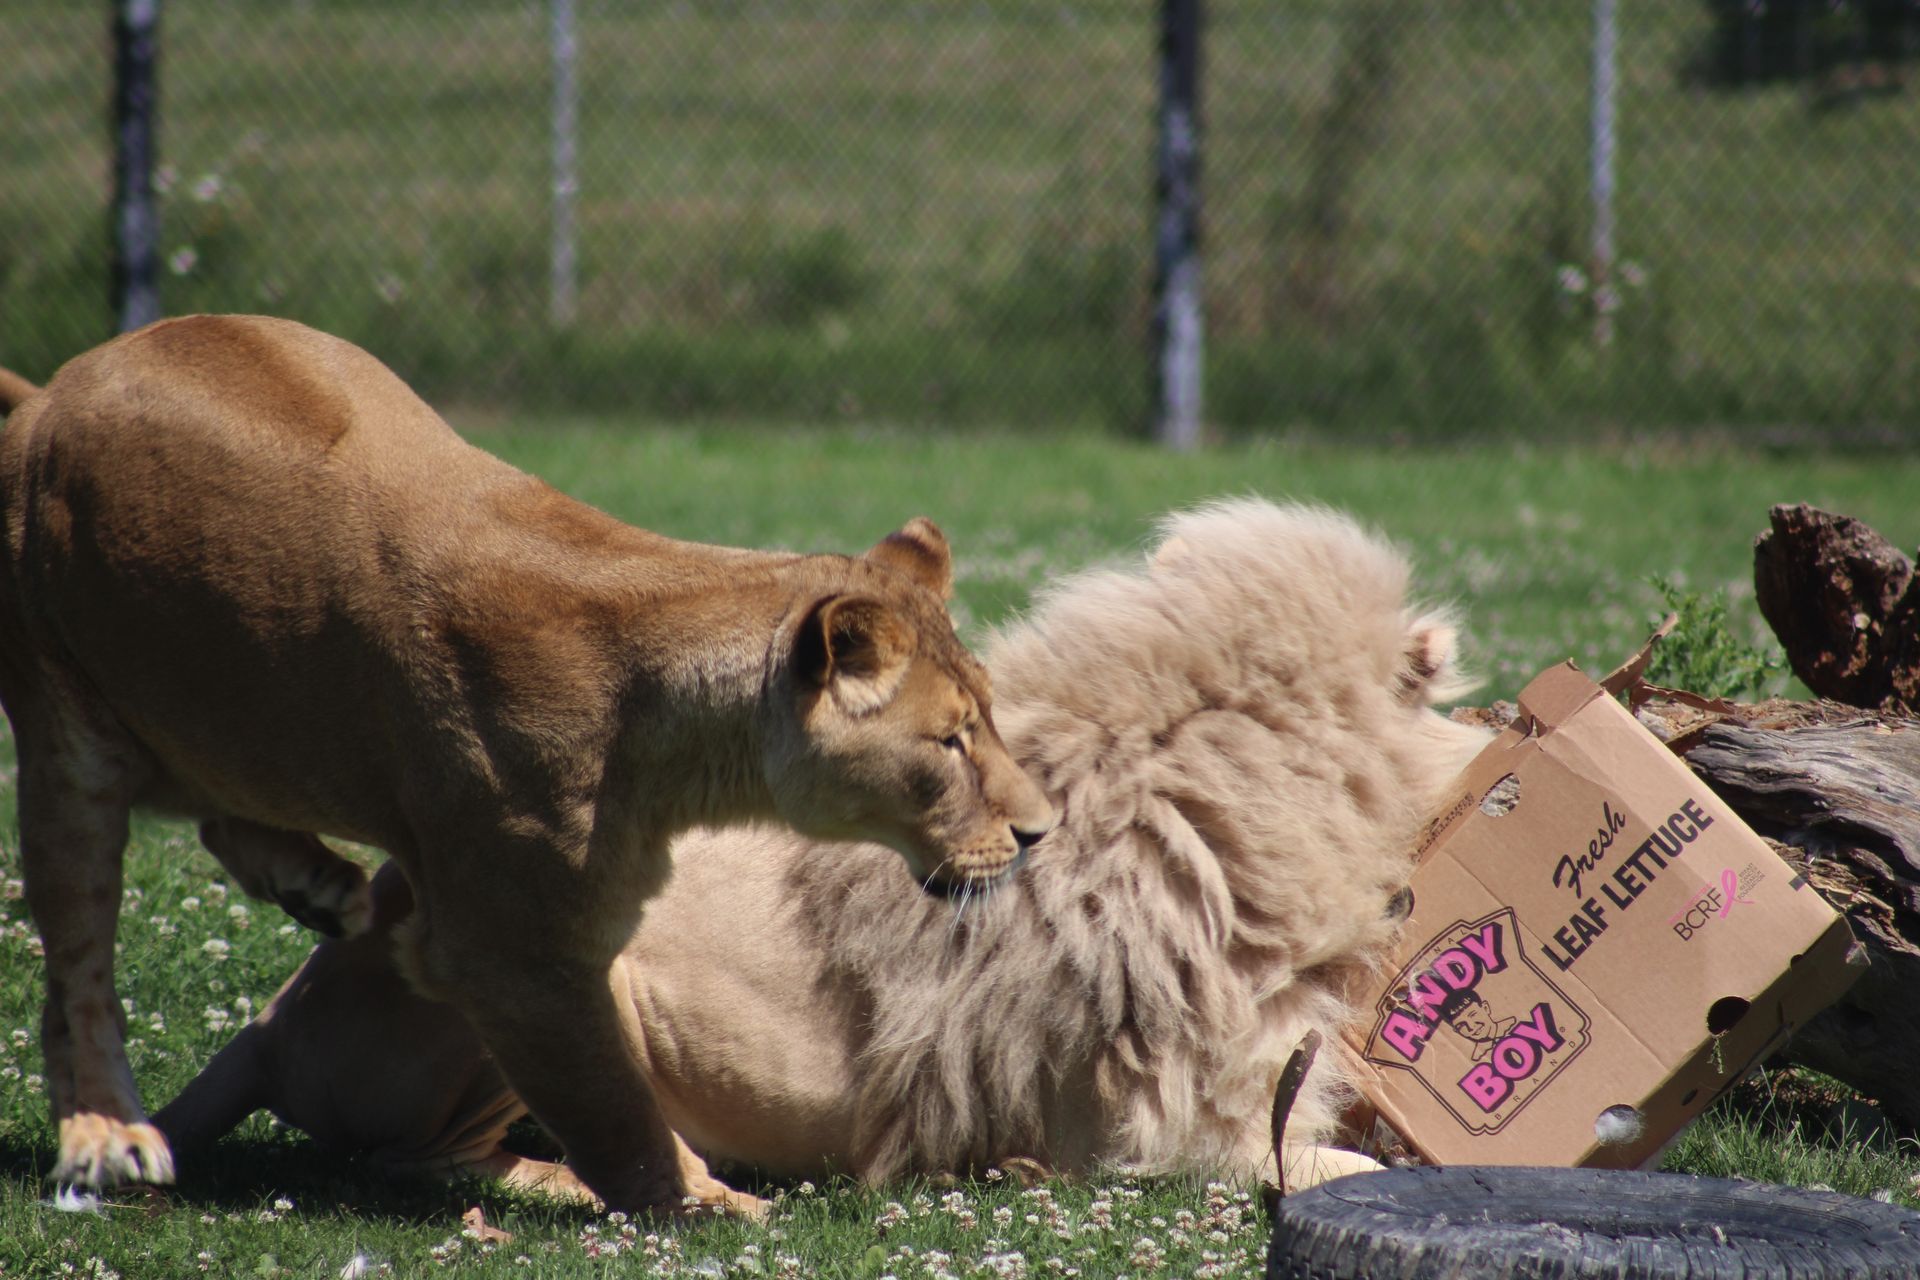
1474,1021
1508,1030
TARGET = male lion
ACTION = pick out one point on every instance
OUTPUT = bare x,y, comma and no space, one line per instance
1239,738
247,575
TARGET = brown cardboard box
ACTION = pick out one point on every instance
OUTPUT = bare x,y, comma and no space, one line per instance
1608,939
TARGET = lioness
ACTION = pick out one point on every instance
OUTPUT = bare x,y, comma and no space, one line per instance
1240,736
250,577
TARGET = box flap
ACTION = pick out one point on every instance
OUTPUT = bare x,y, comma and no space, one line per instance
1552,697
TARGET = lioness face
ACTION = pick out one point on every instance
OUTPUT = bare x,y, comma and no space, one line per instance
893,738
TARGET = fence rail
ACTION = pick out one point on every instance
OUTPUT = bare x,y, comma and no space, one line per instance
1419,217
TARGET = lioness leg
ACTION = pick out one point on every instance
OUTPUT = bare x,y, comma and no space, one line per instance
563,1029
713,1193
75,793
310,882
571,1054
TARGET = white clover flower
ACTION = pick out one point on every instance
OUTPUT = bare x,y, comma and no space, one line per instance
218,948
190,903
180,262
1571,279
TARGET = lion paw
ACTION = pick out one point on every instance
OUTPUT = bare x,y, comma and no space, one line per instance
726,1202
99,1151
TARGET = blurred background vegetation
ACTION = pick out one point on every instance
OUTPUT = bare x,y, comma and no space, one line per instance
919,212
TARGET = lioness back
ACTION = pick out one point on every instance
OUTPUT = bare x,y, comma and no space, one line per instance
208,455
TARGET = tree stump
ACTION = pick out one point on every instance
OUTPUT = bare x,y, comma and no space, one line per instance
1845,604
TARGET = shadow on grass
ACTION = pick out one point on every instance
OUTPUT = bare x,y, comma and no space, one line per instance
245,1174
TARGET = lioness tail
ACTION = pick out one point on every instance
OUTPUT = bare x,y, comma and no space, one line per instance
13,390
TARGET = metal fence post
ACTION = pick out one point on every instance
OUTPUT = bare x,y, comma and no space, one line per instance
562,288
1176,282
135,277
1605,42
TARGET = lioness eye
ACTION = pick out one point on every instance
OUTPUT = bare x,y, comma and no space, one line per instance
953,742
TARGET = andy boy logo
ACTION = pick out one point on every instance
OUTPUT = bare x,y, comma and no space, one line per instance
1476,1023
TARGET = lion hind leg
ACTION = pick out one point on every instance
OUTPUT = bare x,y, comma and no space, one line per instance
296,870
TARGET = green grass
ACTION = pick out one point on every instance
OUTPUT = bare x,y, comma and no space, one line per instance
1551,553
851,210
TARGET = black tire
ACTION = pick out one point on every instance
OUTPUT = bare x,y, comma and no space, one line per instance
1463,1223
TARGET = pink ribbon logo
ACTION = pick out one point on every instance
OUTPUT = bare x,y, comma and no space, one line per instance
1730,892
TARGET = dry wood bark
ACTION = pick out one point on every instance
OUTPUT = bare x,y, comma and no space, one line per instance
1845,604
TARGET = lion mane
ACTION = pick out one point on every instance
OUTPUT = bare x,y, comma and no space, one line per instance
1240,738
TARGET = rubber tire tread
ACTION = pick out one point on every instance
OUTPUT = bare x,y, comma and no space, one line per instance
1467,1223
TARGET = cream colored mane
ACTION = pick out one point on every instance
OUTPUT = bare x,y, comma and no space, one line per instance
1239,738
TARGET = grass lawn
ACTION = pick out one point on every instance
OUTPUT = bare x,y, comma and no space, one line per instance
1549,553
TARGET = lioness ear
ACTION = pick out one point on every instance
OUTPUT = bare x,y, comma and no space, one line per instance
919,550
855,647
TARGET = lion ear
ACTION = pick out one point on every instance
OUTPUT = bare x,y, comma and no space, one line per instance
856,648
1427,672
919,550
1169,554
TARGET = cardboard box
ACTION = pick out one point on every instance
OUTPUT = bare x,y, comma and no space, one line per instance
1598,946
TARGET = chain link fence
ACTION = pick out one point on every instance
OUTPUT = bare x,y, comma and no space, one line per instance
941,211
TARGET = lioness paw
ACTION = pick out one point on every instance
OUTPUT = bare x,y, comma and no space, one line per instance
99,1151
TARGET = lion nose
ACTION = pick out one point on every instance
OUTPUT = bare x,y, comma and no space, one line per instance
1027,839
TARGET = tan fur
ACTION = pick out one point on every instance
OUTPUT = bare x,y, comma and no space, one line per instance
249,576
1239,737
